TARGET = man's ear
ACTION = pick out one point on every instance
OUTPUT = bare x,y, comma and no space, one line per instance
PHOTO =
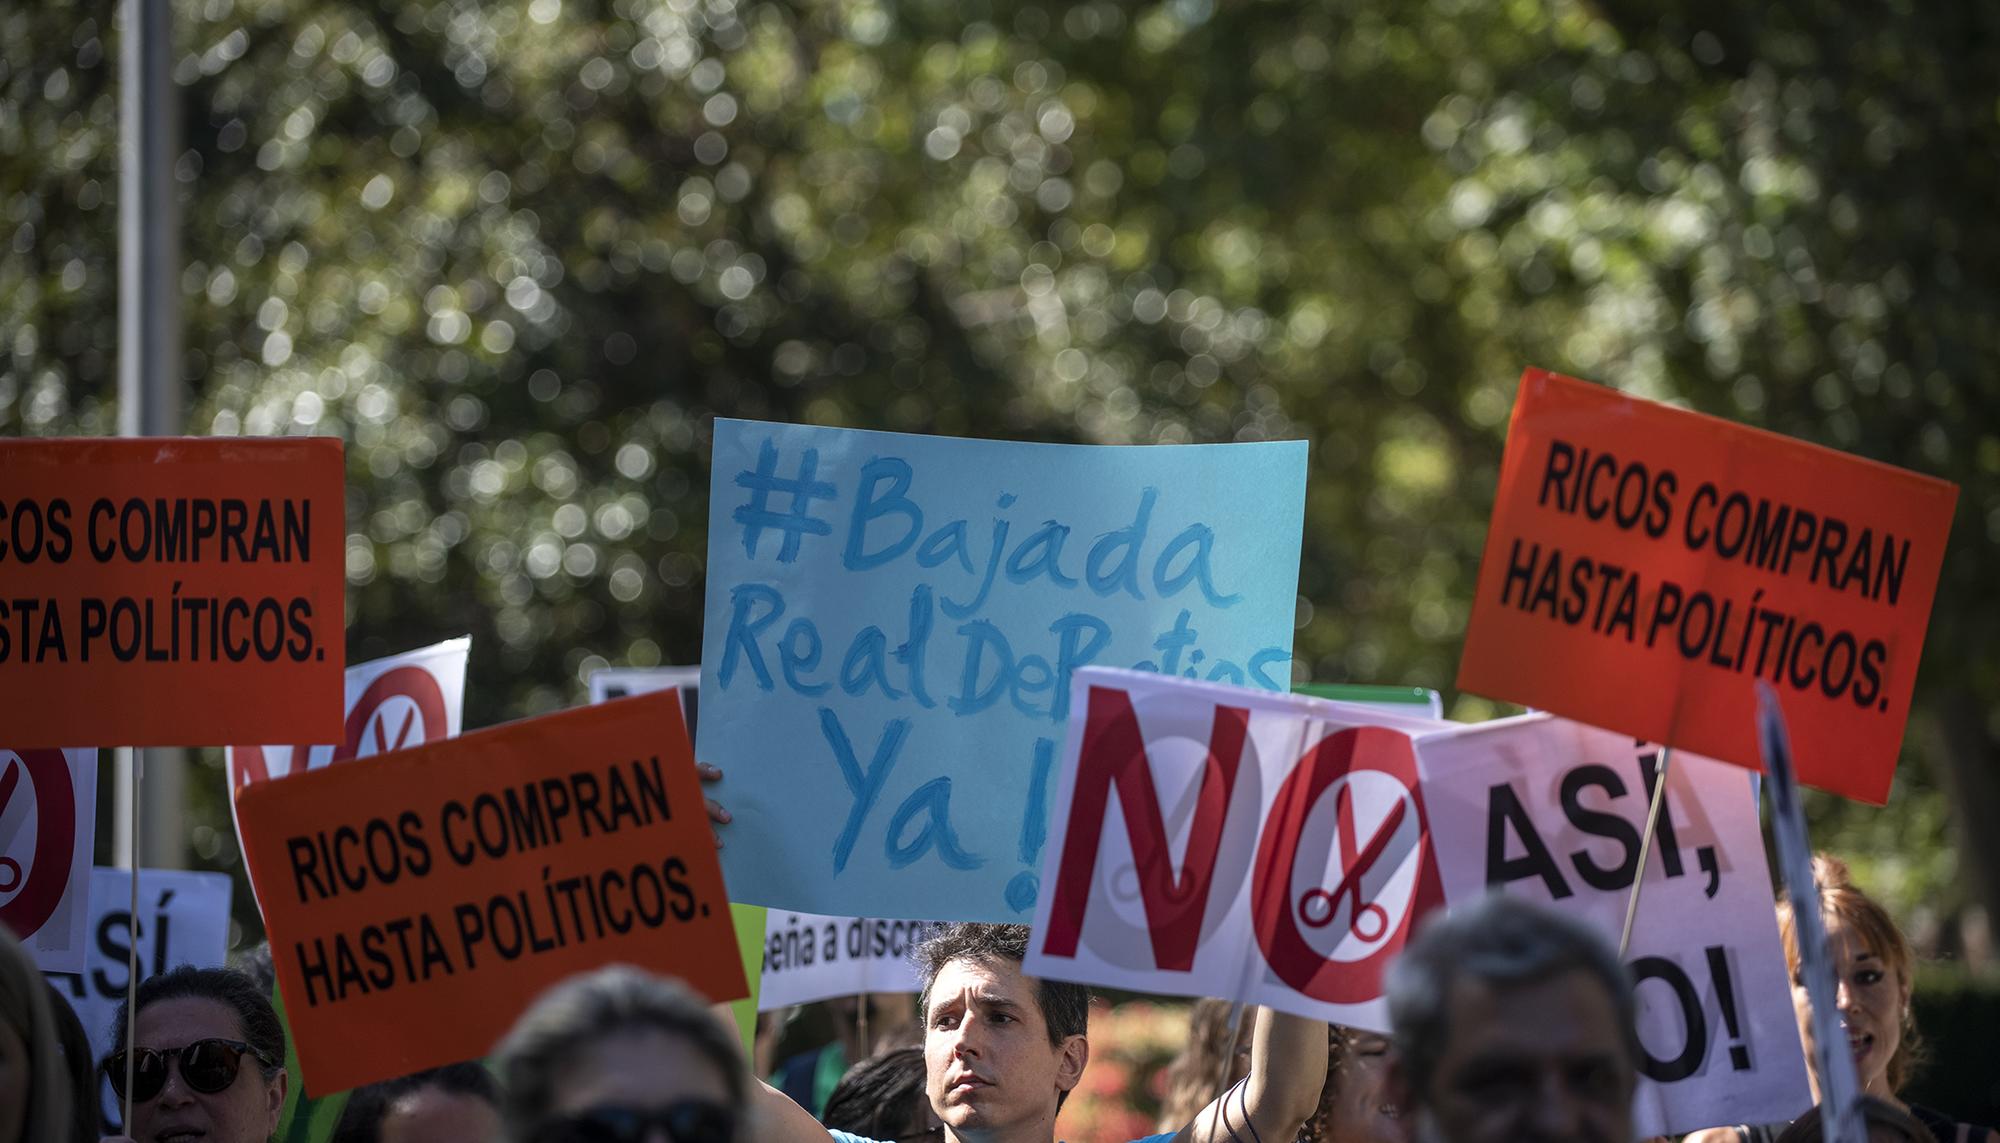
1070,1060
274,1097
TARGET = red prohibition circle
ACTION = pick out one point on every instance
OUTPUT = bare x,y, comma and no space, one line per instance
247,764
413,683
1285,949
47,774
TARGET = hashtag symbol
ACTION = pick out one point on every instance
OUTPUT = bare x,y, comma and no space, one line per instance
756,515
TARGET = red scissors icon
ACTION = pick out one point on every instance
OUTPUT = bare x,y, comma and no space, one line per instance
1366,920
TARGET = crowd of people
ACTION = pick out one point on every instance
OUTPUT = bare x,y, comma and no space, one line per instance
1509,1023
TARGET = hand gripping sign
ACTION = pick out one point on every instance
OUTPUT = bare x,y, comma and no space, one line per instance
418,903
48,820
1266,848
1554,811
1646,565
183,592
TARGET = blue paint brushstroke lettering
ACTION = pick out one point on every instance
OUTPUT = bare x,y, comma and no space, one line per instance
865,785
934,798
744,627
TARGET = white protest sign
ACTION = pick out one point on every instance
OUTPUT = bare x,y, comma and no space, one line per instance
1266,848
1553,811
1217,841
810,956
401,701
183,919
48,829
617,682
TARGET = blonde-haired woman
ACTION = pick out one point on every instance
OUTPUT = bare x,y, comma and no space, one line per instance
1873,973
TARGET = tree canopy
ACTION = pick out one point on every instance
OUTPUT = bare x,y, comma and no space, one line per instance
518,254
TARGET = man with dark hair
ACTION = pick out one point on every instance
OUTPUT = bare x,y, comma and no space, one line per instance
457,1103
1003,1050
1512,1024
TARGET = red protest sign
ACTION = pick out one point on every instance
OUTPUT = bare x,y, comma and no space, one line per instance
1645,565
418,903
182,592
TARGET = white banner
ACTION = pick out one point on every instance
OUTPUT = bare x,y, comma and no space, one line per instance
183,919
48,831
1202,837
1216,841
617,682
1553,811
809,956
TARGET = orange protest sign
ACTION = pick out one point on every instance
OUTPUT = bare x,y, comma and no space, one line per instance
1646,565
171,592
417,904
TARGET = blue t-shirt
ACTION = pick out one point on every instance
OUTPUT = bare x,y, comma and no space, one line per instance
844,1137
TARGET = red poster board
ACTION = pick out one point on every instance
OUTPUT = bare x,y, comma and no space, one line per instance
418,904
171,592
1645,565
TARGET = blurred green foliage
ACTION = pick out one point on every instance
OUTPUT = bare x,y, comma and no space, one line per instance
518,254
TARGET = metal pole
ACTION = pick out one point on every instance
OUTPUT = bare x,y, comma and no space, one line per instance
149,348
132,953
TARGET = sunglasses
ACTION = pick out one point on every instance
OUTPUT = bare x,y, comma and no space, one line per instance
688,1121
207,1066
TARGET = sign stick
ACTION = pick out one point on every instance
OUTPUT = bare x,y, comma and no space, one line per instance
866,1049
1838,1087
137,771
1645,848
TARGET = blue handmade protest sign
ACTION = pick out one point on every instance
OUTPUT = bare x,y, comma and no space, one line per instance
892,622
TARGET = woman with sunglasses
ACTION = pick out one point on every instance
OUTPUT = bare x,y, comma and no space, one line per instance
620,1056
207,1059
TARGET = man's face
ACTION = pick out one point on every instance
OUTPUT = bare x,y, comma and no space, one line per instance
990,1068
1539,1062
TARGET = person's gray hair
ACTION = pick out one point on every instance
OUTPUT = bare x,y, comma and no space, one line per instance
1499,940
549,1039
